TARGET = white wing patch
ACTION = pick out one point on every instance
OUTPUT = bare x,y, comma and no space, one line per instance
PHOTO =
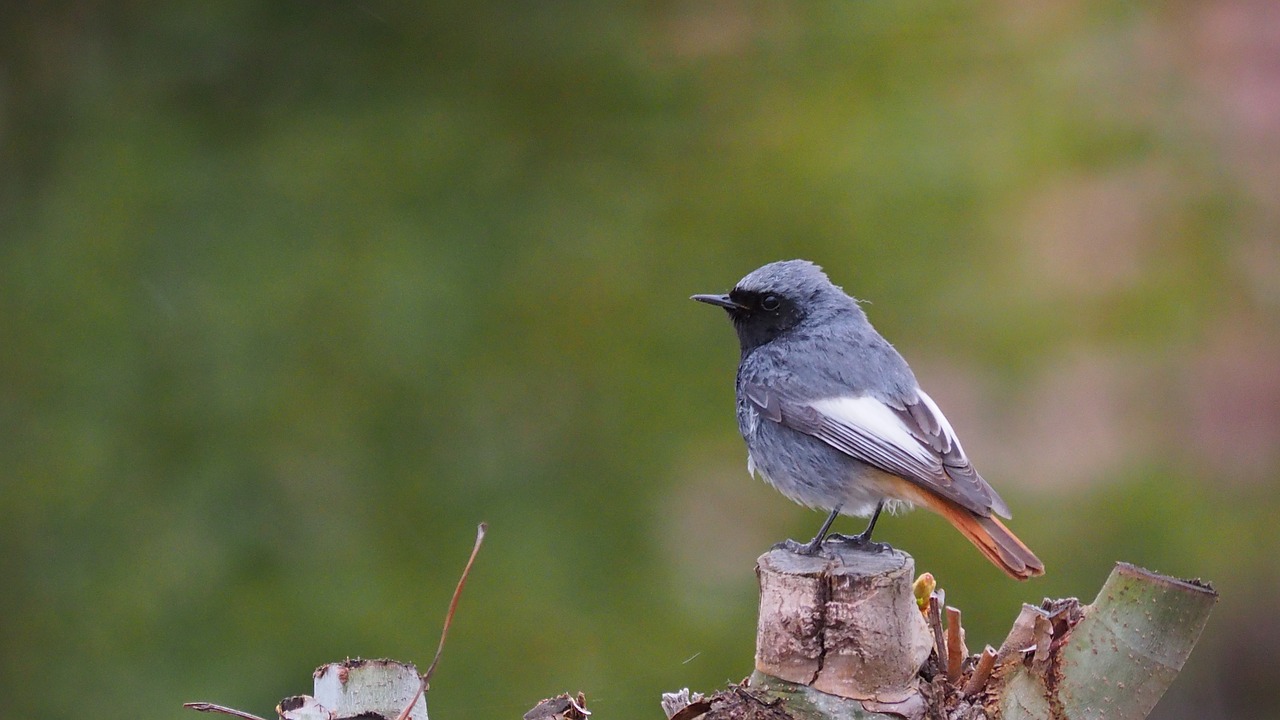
942,421
875,418
753,420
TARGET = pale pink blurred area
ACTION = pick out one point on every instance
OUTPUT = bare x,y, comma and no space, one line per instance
1256,265
1232,60
1094,234
1230,392
1080,421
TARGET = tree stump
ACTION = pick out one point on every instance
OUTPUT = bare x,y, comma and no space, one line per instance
844,622
365,688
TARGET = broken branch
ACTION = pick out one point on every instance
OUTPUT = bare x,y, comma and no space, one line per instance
955,644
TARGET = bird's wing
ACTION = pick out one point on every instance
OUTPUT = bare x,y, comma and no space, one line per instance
912,440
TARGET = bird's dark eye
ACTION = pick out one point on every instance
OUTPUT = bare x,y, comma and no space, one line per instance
770,302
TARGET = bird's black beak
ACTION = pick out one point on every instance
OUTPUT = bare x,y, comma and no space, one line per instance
723,301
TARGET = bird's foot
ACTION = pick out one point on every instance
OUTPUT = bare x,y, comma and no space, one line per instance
858,541
799,548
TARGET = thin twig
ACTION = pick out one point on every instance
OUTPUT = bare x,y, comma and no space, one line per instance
210,707
935,623
453,602
448,620
955,644
986,663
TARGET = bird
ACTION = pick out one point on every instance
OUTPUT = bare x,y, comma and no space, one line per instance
834,419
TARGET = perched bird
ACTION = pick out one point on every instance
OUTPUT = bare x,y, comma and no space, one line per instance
834,418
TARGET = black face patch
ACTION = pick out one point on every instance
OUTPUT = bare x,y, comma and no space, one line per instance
763,317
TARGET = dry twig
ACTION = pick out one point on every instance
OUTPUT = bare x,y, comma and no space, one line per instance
935,623
210,707
448,620
981,672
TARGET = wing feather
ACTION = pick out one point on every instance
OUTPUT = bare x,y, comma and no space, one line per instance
913,441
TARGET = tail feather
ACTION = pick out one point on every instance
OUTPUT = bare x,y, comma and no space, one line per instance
992,539
1003,548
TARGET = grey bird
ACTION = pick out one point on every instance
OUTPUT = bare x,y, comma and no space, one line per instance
834,419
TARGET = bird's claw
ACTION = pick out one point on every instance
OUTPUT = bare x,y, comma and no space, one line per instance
814,547
858,541
797,547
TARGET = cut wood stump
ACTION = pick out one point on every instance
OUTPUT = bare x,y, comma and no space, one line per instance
844,622
367,689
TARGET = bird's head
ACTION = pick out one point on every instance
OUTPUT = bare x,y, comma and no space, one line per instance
777,298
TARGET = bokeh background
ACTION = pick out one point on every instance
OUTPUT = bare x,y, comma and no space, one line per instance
293,295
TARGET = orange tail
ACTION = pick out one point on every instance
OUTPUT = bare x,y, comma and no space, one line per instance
991,537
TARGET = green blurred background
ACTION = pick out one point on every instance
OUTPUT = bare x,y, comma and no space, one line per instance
293,295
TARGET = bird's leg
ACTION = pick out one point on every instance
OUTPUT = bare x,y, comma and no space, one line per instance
811,547
863,539
865,535
816,542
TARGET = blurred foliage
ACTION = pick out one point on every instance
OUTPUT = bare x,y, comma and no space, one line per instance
292,295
